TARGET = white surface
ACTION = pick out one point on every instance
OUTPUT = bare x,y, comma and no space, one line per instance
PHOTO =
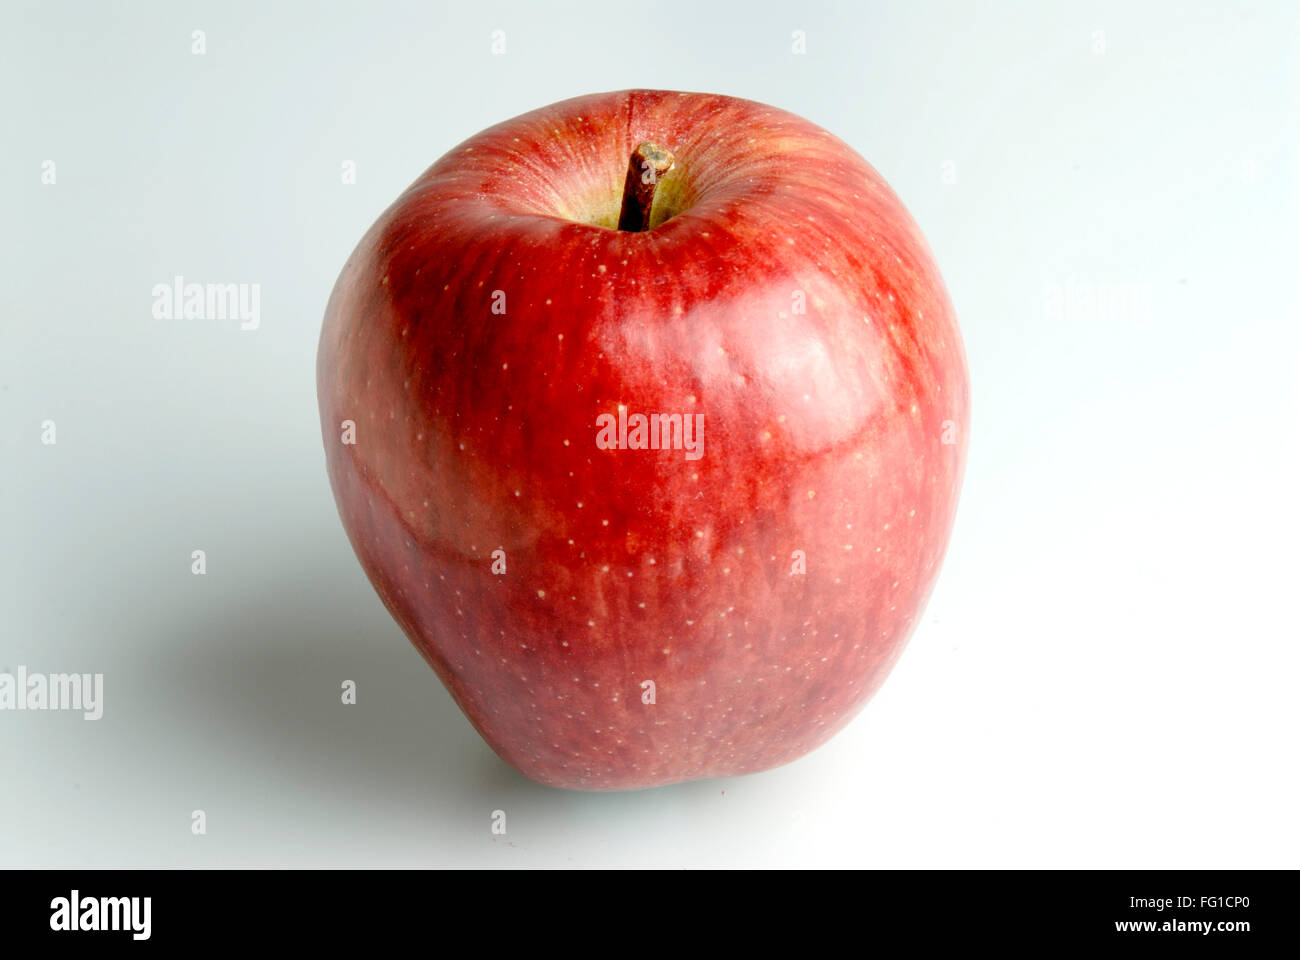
1106,675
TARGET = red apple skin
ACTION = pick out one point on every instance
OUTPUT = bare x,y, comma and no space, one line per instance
839,431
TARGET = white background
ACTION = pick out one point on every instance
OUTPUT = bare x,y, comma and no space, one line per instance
1107,673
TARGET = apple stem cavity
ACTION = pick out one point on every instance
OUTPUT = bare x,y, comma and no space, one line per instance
645,169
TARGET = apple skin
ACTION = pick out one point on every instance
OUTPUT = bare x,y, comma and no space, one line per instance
838,432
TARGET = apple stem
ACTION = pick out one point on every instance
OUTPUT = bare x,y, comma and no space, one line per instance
647,166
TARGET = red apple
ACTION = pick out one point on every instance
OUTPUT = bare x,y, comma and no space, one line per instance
616,602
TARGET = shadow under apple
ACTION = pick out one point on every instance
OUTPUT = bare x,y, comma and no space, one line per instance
398,778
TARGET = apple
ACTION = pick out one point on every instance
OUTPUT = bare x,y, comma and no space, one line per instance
646,414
